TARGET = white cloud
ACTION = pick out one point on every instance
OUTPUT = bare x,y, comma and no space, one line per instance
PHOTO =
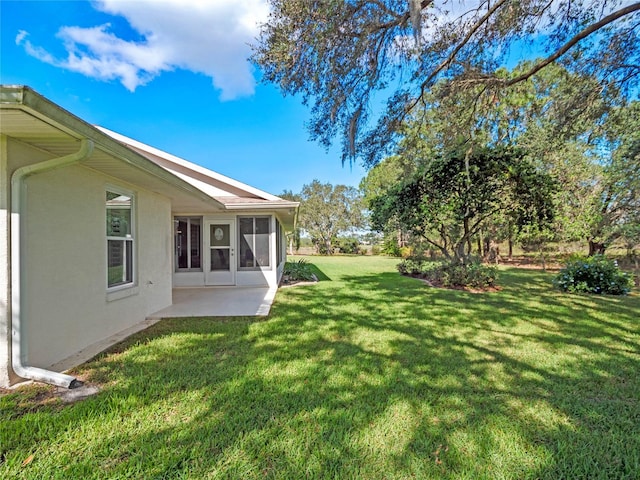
211,37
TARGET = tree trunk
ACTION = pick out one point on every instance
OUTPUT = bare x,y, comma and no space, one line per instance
327,244
493,255
510,246
596,248
460,256
541,252
465,241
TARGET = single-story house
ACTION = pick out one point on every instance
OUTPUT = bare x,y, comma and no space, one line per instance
97,231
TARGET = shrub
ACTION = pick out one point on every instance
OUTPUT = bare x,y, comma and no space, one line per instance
594,274
410,266
447,274
299,271
474,274
351,246
390,247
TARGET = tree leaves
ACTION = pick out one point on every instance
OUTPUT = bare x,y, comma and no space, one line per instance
446,204
327,211
347,57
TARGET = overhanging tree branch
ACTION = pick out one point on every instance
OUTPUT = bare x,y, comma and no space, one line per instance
342,55
447,61
574,41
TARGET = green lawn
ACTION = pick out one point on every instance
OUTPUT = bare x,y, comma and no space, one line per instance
364,375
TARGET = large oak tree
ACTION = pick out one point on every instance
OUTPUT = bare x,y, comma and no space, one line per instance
345,57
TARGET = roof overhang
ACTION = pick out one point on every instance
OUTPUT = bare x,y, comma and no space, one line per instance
29,118
285,211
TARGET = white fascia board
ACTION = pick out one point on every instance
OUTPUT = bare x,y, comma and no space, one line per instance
260,206
192,166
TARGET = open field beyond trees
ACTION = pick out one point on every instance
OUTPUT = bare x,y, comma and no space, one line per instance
365,374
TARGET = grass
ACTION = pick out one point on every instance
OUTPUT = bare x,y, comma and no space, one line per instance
366,374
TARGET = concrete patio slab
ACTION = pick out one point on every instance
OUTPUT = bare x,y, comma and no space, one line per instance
219,302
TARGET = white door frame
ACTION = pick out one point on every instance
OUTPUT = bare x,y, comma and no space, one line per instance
220,242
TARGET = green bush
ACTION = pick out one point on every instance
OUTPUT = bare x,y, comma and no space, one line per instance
594,274
390,247
418,267
474,274
299,271
350,246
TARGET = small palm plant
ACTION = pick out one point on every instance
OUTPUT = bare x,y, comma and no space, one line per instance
299,271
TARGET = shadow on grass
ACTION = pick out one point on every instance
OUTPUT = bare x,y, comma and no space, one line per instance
320,275
367,376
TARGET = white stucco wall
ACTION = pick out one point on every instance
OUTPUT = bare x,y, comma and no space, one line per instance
65,306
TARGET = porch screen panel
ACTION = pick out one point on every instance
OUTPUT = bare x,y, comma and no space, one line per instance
254,242
246,259
279,243
188,243
262,241
195,243
182,243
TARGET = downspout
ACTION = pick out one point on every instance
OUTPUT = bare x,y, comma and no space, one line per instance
17,188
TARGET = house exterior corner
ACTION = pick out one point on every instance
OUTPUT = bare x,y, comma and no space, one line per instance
97,230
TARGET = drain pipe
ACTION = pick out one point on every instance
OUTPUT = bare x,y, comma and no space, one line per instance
17,188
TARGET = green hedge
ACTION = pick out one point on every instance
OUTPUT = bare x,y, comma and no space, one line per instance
474,274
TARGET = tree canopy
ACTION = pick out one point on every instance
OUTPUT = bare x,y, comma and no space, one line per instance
327,211
344,57
588,143
446,203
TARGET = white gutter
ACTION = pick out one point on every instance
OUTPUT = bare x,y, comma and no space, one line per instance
17,187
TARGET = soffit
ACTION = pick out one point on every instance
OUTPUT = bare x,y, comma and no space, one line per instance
32,130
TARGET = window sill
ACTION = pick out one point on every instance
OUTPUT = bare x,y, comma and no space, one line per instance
121,293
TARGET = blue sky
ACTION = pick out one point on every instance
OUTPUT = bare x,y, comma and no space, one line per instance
172,74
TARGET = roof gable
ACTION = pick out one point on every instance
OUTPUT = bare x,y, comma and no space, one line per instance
29,118
210,182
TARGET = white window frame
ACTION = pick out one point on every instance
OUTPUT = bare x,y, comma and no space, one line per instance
129,238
